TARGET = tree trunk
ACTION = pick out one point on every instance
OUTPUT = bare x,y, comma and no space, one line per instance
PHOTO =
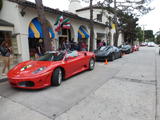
91,26
115,42
43,21
1,4
116,36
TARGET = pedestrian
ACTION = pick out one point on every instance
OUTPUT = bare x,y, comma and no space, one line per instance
100,44
53,44
72,44
83,46
5,52
76,46
39,47
66,45
103,42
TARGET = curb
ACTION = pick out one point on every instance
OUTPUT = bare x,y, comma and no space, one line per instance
3,80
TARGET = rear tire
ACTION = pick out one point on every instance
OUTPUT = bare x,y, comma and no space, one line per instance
120,55
112,57
91,64
57,77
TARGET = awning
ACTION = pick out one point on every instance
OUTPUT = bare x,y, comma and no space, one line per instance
35,30
5,23
6,26
82,33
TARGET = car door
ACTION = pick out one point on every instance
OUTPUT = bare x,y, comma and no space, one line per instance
71,63
82,60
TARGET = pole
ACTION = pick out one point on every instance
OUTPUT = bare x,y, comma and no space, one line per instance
43,21
143,34
91,26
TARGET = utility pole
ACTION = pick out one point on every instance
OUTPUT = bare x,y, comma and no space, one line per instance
143,33
43,21
91,26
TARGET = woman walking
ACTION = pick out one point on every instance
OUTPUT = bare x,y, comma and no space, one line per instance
5,52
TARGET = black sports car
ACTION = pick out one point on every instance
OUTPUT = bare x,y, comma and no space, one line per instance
108,52
126,49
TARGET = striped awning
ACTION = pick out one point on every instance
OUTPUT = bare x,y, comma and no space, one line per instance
35,30
82,33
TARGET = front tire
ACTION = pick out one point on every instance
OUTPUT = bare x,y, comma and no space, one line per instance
112,57
57,77
91,64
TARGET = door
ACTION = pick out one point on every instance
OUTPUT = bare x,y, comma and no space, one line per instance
71,62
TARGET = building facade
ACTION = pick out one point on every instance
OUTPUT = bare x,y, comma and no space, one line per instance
20,17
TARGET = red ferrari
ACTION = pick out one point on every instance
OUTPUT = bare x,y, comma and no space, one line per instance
135,48
50,69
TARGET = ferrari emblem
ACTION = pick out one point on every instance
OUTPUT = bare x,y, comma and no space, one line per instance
25,67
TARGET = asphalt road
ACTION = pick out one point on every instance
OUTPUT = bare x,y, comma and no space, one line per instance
126,89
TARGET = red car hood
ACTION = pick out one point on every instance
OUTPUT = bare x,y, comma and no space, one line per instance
26,69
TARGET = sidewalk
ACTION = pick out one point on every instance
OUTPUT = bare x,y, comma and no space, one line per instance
2,78
13,63
158,86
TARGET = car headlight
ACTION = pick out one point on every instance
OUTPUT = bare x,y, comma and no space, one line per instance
39,70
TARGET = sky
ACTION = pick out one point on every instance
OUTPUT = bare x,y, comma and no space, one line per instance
150,21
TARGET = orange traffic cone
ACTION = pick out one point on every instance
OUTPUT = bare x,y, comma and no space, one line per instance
106,61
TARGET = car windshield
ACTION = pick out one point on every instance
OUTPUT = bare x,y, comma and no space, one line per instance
105,48
126,46
57,56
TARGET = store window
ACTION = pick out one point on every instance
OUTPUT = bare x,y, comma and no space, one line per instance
99,17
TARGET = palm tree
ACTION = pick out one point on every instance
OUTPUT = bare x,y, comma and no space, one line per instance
1,3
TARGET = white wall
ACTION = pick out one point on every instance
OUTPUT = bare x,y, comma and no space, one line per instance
10,13
86,14
120,39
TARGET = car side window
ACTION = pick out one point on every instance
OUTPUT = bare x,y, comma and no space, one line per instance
116,49
112,48
72,54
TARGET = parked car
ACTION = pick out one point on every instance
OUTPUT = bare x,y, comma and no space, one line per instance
126,49
135,48
108,52
143,44
50,69
151,44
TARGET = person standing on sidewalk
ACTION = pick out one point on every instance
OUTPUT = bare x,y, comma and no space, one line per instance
5,52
